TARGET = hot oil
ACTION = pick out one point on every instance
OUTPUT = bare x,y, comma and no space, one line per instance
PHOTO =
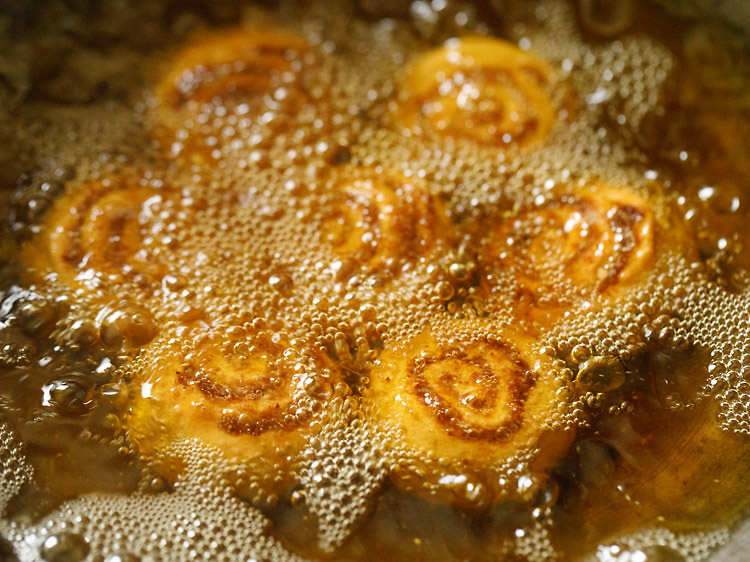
233,254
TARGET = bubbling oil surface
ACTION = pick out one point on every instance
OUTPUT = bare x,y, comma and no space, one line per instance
289,220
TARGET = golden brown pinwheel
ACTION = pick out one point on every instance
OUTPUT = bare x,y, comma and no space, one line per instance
253,397
581,244
479,89
235,90
462,401
94,235
376,221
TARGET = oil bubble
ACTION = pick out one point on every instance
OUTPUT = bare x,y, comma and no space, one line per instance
65,547
601,374
70,395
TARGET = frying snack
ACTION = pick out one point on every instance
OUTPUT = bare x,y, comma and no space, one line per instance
345,284
233,90
377,221
482,90
94,235
253,397
464,402
580,245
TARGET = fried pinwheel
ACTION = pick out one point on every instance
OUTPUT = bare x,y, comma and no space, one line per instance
252,397
376,221
584,243
466,402
94,235
483,90
235,90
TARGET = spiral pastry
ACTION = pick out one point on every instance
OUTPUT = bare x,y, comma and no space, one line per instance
581,245
252,397
457,404
94,235
480,89
380,220
229,84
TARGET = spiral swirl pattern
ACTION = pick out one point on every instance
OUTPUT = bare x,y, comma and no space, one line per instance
95,233
482,90
381,220
258,78
476,394
466,402
579,245
253,398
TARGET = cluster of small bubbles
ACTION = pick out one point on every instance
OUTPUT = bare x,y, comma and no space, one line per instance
598,347
679,308
342,468
641,71
609,336
114,129
662,545
200,520
14,470
619,83
533,542
714,319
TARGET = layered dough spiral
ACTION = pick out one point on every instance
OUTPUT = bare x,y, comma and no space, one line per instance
581,244
480,89
235,89
378,220
458,403
252,397
94,235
